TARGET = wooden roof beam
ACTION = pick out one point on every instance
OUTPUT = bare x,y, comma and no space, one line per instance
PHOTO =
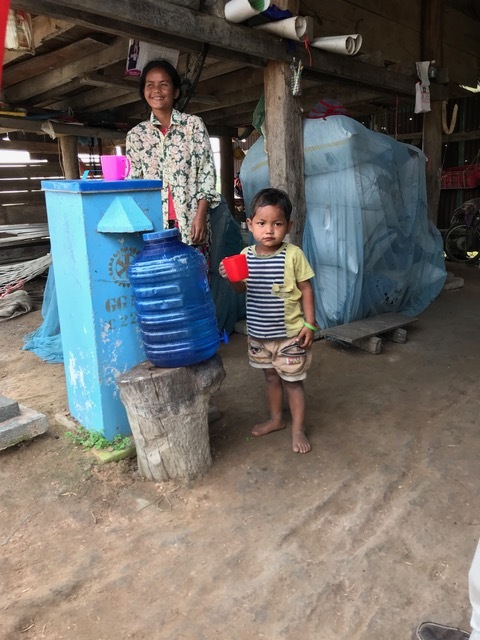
44,29
14,123
177,23
26,89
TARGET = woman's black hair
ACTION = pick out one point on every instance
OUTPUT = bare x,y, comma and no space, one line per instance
167,67
271,198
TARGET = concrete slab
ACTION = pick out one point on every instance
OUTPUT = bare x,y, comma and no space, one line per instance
8,408
28,424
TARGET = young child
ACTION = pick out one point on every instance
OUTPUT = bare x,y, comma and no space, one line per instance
280,312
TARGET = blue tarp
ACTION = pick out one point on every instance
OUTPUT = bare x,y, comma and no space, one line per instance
367,233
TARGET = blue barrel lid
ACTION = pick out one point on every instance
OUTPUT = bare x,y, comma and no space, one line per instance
161,235
100,186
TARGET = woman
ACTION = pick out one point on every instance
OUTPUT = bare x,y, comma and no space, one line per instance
174,147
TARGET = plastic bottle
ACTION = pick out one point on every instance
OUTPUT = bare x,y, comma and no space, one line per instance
172,298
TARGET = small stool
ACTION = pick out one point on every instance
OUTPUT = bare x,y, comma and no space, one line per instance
168,414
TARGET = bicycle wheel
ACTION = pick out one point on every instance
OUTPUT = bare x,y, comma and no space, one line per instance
455,245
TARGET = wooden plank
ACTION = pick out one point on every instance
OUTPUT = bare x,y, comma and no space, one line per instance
233,99
7,241
90,97
40,171
24,90
55,93
25,184
44,29
361,329
25,229
379,23
35,126
462,67
22,197
232,114
33,67
99,80
45,148
405,13
219,68
231,82
10,255
227,40
462,32
27,213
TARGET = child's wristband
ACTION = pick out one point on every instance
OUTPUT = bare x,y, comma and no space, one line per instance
309,326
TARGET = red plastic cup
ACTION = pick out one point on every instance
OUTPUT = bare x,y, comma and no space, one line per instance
236,267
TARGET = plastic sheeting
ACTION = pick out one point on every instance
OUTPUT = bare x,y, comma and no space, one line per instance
367,234
46,341
226,241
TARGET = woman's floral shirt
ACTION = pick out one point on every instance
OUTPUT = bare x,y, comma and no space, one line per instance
182,158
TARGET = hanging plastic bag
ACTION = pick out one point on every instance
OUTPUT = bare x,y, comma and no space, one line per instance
422,88
19,34
422,98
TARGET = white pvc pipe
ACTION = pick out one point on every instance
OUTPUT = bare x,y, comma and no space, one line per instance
293,28
346,45
241,10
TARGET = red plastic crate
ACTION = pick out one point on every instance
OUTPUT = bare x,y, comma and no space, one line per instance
461,177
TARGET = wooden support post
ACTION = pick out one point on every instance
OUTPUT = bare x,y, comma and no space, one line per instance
227,171
431,47
69,151
168,414
284,131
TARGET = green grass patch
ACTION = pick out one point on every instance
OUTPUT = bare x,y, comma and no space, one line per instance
96,440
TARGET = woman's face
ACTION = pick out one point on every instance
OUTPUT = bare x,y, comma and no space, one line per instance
159,91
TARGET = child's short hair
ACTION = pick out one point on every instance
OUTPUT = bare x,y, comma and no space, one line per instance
271,198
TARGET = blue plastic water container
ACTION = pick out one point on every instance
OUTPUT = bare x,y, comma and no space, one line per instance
171,295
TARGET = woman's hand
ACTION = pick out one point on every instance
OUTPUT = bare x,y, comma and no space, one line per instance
198,230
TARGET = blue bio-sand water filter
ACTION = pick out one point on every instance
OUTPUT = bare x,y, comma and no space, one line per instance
96,229
172,297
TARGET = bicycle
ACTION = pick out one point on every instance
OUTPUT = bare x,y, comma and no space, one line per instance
462,240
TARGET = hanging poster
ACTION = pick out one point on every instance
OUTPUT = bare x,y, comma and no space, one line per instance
139,53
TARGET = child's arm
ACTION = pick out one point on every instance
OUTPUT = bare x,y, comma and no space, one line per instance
305,337
238,287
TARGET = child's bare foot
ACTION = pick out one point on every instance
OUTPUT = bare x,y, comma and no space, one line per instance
300,442
267,427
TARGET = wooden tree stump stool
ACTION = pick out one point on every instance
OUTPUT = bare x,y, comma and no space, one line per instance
168,414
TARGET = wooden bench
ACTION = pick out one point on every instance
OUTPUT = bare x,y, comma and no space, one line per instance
364,333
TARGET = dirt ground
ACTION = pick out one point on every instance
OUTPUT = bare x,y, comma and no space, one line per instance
363,538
